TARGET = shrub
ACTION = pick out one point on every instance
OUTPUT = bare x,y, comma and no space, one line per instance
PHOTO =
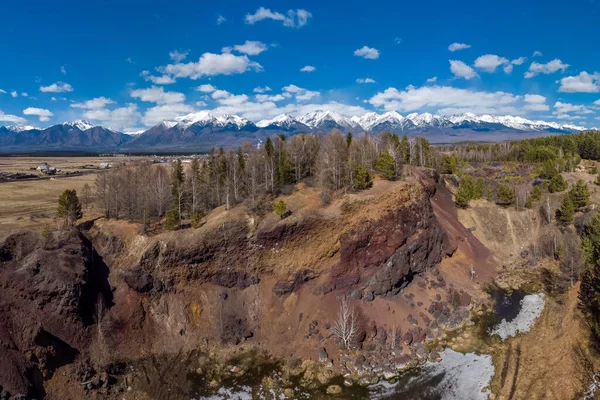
280,208
557,184
506,195
362,178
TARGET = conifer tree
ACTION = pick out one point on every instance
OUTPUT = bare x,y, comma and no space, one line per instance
567,210
362,178
69,207
579,194
385,165
506,195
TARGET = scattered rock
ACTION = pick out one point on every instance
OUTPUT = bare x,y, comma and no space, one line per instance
323,356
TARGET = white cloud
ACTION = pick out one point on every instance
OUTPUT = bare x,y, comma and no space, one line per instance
42,113
63,70
489,62
294,18
582,83
301,94
211,64
157,80
250,47
178,56
365,80
445,99
537,53
462,70
96,103
397,40
564,108
550,67
568,117
535,102
13,119
221,19
14,93
308,68
163,112
597,103
261,98
158,95
24,94
519,61
508,68
432,79
260,89
458,46
206,88
58,87
2,91
119,118
201,103
367,52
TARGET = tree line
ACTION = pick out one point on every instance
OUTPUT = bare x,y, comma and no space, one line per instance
334,163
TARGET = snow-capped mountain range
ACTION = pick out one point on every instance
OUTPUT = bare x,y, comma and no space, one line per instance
203,130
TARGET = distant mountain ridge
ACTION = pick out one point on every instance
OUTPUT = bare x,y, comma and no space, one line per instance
203,130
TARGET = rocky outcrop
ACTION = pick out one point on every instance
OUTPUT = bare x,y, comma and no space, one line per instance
47,301
383,255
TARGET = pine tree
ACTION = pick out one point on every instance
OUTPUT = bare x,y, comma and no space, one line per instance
536,193
349,139
385,165
557,184
506,195
589,292
462,198
529,202
69,207
175,212
567,210
362,178
579,194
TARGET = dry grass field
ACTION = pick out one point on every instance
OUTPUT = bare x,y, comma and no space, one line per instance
31,204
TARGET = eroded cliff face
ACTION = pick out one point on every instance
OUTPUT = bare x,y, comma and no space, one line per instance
239,278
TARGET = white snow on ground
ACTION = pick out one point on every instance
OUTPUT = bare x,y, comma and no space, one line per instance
531,308
243,393
463,377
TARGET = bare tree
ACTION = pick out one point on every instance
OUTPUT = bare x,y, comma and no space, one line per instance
394,336
345,328
86,195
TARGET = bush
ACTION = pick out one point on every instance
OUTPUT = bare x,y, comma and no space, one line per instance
536,193
468,190
280,208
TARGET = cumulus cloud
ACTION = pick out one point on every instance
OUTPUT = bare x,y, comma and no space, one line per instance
43,114
582,83
211,64
458,46
550,67
13,119
178,56
122,118
157,95
206,88
564,108
294,18
308,68
365,80
445,99
535,102
261,98
519,61
96,103
260,89
367,52
221,19
301,94
162,112
250,47
14,93
537,53
157,80
462,70
433,79
58,87
489,62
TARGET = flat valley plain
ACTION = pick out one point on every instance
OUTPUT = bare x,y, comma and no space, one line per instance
31,203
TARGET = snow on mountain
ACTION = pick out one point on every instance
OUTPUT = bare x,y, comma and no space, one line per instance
327,119
283,120
15,128
206,118
79,124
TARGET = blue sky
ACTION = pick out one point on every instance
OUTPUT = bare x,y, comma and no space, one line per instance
66,60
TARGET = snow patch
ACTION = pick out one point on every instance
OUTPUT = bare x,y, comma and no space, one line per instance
531,308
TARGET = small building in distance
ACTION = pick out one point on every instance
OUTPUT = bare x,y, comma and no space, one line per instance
104,165
44,168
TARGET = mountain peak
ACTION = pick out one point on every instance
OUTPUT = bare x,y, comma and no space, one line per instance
79,124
